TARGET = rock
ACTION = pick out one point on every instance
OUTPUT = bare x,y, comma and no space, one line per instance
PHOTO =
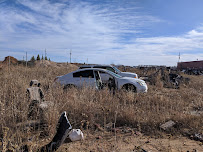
167,125
198,137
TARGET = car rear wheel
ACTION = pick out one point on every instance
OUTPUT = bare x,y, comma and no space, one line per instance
69,87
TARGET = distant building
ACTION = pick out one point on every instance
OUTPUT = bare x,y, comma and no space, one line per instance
190,65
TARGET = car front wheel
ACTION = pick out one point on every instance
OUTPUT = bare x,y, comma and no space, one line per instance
129,88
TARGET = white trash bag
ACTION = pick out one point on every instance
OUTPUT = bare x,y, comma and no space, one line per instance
76,134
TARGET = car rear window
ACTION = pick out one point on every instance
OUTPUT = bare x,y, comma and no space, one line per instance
86,74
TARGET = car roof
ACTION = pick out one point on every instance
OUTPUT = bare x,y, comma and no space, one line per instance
91,69
96,69
95,65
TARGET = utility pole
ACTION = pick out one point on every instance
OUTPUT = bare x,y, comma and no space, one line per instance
87,60
70,55
45,53
179,57
9,62
26,59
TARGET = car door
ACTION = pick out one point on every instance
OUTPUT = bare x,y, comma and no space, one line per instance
98,82
84,78
104,76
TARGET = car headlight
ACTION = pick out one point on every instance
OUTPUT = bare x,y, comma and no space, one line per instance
141,83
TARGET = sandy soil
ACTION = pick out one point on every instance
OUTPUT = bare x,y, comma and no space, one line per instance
105,142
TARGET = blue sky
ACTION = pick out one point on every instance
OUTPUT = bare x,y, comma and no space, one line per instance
129,32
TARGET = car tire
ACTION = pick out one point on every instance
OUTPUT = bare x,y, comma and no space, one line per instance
129,88
69,87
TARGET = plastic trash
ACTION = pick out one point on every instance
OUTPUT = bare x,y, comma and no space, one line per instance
76,134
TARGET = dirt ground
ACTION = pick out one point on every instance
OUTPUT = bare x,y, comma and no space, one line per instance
105,142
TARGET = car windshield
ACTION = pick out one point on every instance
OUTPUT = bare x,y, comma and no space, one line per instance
114,74
117,71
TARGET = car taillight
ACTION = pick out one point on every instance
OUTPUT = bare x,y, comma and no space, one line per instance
55,79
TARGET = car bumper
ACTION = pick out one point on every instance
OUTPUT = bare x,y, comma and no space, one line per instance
142,89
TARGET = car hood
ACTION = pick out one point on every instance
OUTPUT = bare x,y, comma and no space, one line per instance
128,74
132,79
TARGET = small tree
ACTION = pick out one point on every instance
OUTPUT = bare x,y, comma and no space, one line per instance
32,59
45,58
42,57
49,59
38,57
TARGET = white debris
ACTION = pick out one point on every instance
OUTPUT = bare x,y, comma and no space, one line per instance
167,125
76,134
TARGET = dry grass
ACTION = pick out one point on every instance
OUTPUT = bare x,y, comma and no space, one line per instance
143,112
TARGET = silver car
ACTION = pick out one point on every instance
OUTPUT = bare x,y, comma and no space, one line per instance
90,77
104,76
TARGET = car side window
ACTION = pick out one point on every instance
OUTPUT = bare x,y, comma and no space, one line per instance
100,67
101,72
85,74
110,69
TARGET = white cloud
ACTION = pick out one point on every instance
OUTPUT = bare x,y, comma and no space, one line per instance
183,43
96,32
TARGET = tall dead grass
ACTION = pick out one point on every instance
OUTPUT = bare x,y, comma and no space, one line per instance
144,112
